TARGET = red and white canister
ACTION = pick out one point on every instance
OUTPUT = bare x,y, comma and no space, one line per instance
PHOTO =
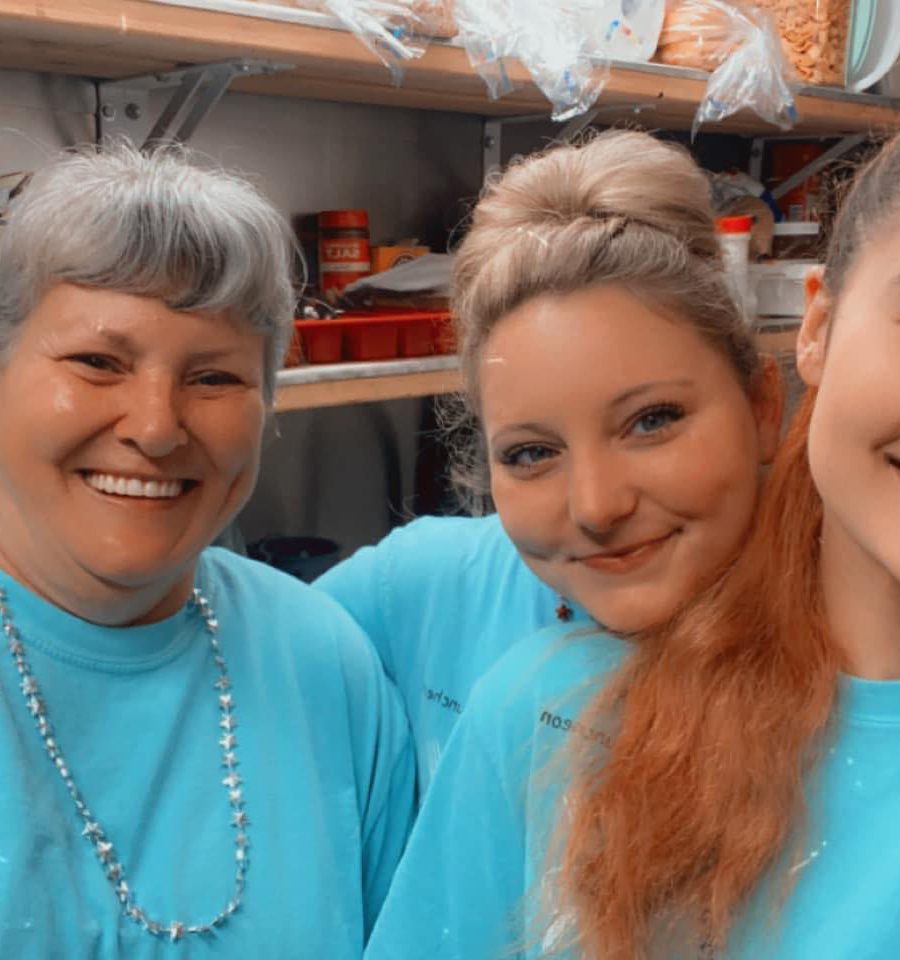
343,248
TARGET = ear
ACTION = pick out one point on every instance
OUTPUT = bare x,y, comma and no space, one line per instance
768,407
813,336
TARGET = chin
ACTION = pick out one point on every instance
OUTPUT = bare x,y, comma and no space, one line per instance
631,618
136,573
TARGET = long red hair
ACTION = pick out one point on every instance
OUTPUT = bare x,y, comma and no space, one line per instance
718,715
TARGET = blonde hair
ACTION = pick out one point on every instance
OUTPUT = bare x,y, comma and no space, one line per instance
623,208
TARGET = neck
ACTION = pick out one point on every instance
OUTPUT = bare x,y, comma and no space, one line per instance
862,603
80,592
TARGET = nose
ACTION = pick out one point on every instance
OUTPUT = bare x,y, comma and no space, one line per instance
601,491
151,418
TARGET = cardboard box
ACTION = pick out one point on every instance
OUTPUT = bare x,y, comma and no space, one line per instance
385,257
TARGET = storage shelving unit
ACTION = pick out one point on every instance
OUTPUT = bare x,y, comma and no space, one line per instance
116,39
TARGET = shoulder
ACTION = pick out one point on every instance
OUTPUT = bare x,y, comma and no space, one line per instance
284,615
431,562
448,537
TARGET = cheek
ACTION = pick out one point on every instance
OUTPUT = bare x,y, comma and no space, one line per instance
528,510
705,479
233,438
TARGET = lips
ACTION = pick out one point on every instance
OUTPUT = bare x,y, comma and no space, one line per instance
125,485
626,559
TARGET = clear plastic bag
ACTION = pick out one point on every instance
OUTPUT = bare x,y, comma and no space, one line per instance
741,46
566,45
387,27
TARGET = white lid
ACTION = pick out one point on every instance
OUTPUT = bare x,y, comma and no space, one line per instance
797,228
783,269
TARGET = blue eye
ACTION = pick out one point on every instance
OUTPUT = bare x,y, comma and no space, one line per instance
653,420
526,456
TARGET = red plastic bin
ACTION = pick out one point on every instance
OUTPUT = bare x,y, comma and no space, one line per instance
379,335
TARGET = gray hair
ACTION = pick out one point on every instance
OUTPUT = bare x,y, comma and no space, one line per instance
157,224
622,208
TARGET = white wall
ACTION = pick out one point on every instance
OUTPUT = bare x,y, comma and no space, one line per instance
325,472
39,114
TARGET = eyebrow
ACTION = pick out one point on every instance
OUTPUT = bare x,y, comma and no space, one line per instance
648,387
122,341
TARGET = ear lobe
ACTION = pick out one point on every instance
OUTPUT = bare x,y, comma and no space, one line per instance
769,406
813,335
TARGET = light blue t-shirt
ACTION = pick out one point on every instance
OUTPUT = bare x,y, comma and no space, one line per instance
480,858
443,598
323,750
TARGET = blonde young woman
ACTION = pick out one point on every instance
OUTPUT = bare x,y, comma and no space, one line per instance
736,776
593,307
625,413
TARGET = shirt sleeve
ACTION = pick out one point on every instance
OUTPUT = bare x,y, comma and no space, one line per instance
384,765
459,887
391,805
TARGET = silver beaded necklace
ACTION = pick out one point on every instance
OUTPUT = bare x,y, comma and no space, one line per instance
91,828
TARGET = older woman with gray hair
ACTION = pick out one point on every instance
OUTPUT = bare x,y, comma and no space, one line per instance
193,747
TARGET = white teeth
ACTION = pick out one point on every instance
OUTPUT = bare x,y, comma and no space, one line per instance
133,487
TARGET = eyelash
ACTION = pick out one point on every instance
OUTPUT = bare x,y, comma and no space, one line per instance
509,458
673,412
216,378
97,361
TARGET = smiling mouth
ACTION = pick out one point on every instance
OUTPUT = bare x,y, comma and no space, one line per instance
124,485
628,558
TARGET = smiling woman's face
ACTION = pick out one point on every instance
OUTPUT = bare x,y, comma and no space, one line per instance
624,451
129,437
850,351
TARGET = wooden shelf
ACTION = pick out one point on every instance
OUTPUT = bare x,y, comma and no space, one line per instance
120,38
328,385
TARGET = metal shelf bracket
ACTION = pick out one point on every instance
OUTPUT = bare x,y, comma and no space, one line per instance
843,146
122,105
492,129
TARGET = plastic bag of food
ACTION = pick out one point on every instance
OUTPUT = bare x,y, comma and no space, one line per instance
814,36
566,45
740,45
435,18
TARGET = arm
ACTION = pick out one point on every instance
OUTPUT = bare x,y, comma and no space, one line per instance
384,768
390,807
460,884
